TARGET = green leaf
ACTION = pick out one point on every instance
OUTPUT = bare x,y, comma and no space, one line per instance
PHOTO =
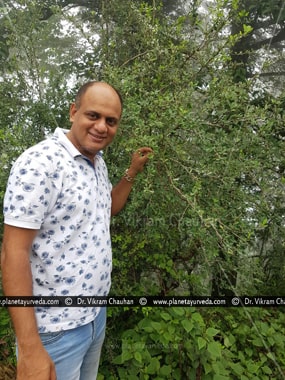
214,349
153,367
166,316
252,367
138,356
227,342
271,356
207,368
198,318
237,368
201,343
165,371
157,326
258,342
220,377
247,28
126,355
266,370
248,351
211,332
117,360
179,311
187,325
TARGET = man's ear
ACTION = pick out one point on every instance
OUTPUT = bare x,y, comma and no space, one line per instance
72,111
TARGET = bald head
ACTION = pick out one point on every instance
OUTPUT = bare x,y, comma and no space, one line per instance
103,85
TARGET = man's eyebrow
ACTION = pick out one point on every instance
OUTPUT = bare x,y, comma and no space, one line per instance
99,114
92,111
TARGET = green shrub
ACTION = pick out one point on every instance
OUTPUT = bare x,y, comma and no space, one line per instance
7,340
189,343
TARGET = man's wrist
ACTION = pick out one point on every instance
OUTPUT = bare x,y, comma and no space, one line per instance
130,175
29,345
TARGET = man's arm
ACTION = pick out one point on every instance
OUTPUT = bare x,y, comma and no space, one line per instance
33,360
122,190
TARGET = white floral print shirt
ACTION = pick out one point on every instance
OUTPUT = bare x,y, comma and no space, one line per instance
54,189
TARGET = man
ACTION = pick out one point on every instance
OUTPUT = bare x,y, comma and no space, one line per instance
56,241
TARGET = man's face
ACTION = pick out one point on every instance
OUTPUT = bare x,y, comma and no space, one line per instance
96,121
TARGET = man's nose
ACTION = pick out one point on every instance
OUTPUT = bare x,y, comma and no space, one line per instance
101,125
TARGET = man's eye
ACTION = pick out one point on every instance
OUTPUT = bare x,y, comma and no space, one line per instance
93,115
112,122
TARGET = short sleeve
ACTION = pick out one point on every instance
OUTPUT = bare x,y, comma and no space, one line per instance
29,192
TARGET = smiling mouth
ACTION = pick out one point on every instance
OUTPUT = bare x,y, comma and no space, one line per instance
96,138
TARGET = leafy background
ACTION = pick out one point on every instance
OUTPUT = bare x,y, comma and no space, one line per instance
203,86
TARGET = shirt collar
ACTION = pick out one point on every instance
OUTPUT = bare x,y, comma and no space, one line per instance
60,135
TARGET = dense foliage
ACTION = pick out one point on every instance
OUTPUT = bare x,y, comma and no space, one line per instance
207,215
178,343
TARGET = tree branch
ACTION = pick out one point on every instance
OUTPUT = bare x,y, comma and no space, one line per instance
272,40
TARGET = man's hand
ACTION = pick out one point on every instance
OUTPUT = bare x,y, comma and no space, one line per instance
122,190
35,364
139,159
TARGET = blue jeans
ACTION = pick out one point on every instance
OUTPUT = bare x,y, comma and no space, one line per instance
76,352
